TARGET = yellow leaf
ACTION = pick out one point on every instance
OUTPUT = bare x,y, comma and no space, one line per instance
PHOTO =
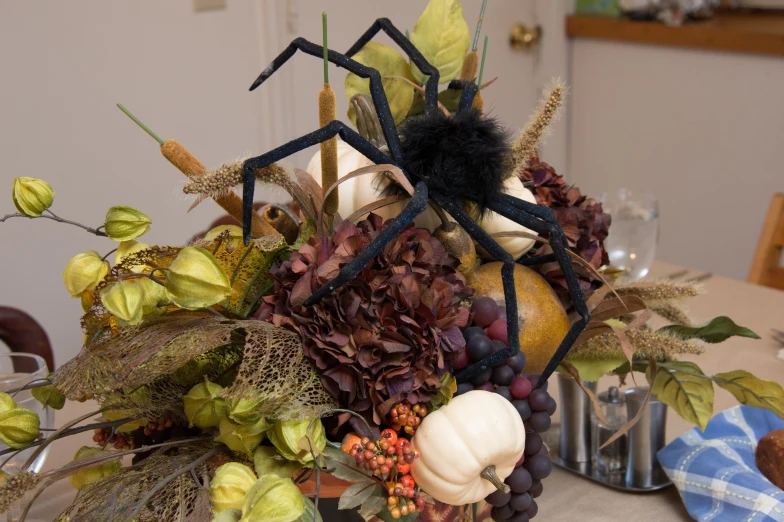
388,62
683,387
593,369
753,391
442,36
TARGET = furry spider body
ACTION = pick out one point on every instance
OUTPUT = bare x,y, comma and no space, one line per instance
449,160
464,157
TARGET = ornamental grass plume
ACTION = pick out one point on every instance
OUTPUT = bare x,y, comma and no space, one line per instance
662,346
389,334
525,146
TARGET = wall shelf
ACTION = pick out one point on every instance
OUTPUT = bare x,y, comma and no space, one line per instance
744,32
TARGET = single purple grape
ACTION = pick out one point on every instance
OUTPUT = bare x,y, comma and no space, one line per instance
532,510
498,498
551,406
479,347
538,400
503,375
533,443
484,310
504,392
523,408
540,421
517,362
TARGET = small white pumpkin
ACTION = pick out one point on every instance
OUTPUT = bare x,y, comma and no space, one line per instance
459,442
494,223
362,190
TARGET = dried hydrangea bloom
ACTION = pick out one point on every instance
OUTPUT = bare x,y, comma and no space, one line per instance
386,336
582,219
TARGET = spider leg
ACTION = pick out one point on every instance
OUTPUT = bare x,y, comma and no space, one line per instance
323,134
507,274
467,97
537,260
376,88
415,206
557,242
431,87
539,211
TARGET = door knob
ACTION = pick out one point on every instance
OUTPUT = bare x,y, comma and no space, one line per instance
524,38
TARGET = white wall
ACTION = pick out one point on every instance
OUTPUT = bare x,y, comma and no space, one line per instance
64,66
704,131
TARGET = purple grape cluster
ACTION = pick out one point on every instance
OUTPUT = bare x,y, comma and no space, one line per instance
485,336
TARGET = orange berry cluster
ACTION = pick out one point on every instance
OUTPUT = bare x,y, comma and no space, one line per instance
404,416
403,498
387,457
104,436
159,424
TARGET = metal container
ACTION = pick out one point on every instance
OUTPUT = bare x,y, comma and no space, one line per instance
575,406
645,439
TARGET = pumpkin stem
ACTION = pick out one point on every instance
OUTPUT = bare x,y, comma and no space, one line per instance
489,474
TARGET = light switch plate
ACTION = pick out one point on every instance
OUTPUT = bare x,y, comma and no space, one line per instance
206,5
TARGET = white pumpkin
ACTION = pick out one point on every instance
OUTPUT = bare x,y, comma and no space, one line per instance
457,442
362,190
494,223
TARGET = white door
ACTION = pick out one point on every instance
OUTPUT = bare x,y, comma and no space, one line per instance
290,108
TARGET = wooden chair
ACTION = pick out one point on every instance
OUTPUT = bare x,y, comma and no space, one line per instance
766,269
22,333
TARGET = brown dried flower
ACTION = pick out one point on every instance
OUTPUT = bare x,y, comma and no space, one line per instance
582,219
386,336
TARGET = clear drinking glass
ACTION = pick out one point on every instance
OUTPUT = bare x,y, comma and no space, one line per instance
17,370
634,232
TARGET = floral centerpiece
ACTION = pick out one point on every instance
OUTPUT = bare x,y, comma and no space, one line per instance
377,329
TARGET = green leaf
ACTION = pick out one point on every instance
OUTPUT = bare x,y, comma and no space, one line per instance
310,510
683,387
593,369
753,391
49,396
345,468
374,505
388,62
714,331
356,494
445,392
442,36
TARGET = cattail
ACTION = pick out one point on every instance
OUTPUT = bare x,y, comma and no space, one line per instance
527,143
329,148
187,163
470,66
479,102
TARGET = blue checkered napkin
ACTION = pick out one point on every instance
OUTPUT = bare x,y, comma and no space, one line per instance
715,472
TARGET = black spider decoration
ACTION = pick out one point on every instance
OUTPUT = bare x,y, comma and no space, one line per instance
449,160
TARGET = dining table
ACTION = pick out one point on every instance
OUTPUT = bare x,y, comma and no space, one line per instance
569,497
